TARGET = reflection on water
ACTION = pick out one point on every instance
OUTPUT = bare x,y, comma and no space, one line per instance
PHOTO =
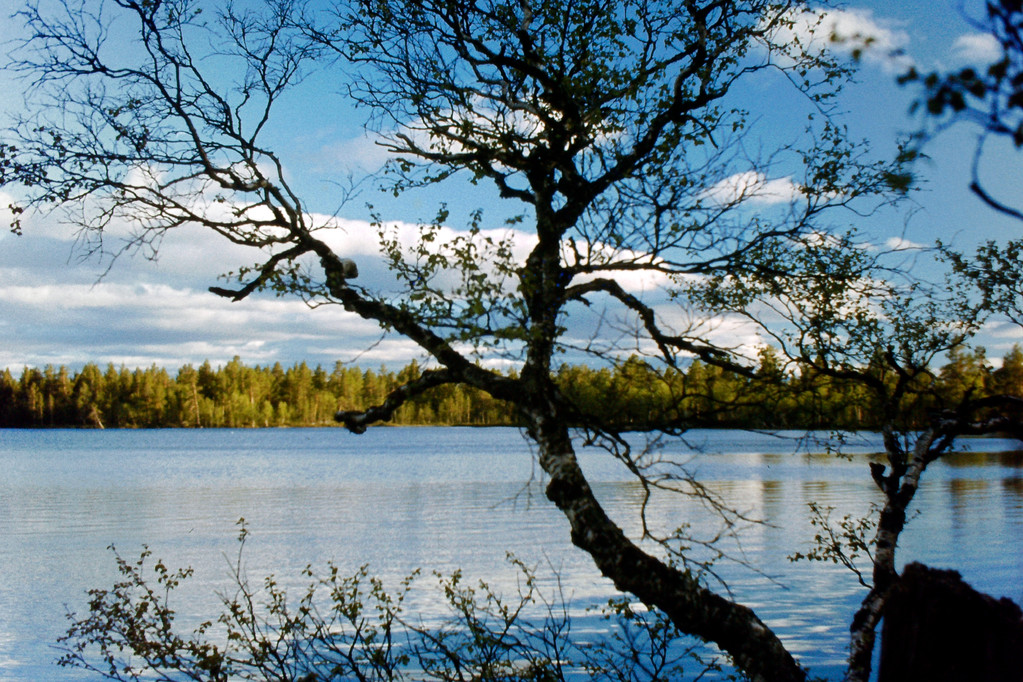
398,499
1012,459
1013,487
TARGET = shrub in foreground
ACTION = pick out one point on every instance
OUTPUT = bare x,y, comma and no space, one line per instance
349,627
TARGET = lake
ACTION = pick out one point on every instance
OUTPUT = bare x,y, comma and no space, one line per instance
446,498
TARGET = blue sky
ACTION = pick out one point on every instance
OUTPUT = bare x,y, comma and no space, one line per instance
59,307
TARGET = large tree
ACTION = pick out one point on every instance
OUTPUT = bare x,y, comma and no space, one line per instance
619,135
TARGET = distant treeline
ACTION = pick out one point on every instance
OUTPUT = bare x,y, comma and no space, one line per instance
631,395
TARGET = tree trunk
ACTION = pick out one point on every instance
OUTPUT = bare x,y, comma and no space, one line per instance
696,610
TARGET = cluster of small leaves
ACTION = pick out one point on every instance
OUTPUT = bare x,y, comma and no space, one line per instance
950,92
349,627
489,637
840,542
996,272
135,616
465,283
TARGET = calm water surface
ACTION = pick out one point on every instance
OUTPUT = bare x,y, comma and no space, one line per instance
444,498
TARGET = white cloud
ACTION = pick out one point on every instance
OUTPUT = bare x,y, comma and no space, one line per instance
141,324
979,49
902,244
849,32
1004,329
145,312
753,187
638,281
853,25
56,309
361,238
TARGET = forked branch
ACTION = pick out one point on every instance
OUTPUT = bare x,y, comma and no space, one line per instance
668,344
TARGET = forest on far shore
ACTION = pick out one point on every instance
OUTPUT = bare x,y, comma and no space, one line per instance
628,396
